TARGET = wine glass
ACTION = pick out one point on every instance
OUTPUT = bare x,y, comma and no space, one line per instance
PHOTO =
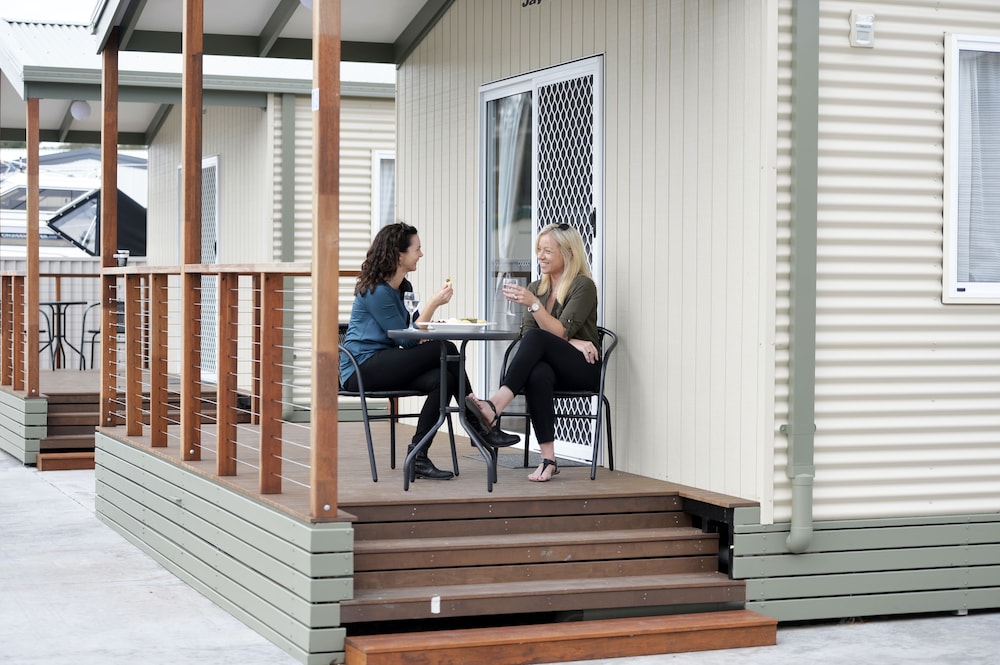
411,300
509,281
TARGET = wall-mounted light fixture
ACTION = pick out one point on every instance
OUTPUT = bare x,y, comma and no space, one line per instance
80,109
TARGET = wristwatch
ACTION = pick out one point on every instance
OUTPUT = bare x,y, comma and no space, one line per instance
535,306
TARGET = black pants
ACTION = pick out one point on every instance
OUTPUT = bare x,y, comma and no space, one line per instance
543,364
416,368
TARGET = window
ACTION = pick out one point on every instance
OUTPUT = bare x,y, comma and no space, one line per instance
972,170
383,189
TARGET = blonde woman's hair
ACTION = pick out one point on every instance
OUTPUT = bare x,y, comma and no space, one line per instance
573,254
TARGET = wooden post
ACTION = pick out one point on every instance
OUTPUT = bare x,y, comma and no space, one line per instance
109,226
133,355
7,334
31,360
158,299
191,128
326,257
271,372
225,430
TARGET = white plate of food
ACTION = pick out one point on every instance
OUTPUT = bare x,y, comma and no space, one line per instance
469,324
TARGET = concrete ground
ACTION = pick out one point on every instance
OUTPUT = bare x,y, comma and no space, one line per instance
73,590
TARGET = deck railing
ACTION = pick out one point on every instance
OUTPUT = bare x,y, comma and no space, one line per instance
245,401
18,366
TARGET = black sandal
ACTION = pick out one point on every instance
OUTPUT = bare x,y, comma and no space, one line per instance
472,405
546,463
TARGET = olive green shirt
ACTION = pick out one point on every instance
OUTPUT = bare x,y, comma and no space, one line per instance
578,314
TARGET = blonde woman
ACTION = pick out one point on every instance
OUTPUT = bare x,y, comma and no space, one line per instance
559,346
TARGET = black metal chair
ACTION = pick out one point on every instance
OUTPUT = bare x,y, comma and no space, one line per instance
393,397
94,333
45,335
608,341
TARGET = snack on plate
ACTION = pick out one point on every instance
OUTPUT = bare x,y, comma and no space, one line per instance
464,319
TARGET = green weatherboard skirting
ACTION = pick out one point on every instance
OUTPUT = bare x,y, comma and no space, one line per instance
22,425
872,567
281,576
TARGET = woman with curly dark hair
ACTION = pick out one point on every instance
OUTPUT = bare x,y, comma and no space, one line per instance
384,362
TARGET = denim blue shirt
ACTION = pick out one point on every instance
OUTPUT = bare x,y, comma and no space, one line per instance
372,315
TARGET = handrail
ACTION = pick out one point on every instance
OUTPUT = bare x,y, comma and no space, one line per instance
257,309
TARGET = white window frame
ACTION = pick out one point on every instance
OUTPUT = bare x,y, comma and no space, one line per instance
378,157
954,290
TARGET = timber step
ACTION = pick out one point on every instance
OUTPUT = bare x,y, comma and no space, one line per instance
67,442
541,557
544,594
64,461
569,641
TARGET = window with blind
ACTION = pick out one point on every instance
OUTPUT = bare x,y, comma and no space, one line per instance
972,170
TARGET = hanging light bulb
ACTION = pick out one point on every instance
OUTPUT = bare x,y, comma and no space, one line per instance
80,109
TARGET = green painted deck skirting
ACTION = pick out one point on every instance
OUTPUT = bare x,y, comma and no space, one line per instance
281,576
872,567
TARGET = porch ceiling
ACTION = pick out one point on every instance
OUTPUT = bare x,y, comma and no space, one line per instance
371,30
252,47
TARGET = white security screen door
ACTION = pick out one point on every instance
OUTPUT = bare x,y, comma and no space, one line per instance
542,163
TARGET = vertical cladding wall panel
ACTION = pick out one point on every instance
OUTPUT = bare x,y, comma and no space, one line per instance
368,124
690,235
906,387
238,135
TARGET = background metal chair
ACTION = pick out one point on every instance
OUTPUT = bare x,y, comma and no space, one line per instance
90,335
608,341
393,397
45,336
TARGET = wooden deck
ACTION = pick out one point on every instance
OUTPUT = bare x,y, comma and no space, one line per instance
355,486
354,480
618,556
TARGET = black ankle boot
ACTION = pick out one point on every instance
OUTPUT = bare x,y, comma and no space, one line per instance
423,467
495,438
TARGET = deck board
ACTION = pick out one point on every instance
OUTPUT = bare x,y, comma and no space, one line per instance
356,489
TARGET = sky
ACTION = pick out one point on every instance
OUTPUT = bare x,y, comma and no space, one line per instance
58,11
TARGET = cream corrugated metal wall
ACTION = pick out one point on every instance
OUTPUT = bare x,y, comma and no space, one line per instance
907,389
690,125
367,125
248,142
239,136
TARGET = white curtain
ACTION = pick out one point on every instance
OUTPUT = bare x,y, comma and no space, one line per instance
387,191
978,175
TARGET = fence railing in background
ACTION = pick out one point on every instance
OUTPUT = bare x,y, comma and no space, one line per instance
15,322
252,383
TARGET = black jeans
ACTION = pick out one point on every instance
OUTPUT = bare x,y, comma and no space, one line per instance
543,364
416,368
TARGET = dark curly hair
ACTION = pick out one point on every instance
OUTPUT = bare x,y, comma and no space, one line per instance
383,256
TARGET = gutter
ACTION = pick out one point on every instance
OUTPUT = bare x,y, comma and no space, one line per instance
801,427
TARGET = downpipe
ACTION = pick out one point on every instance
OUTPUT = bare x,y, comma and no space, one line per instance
800,535
801,428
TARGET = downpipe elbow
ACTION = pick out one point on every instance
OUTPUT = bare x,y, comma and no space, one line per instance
800,534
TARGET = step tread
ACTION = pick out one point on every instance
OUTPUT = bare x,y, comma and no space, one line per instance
546,586
64,461
560,642
562,595
506,540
